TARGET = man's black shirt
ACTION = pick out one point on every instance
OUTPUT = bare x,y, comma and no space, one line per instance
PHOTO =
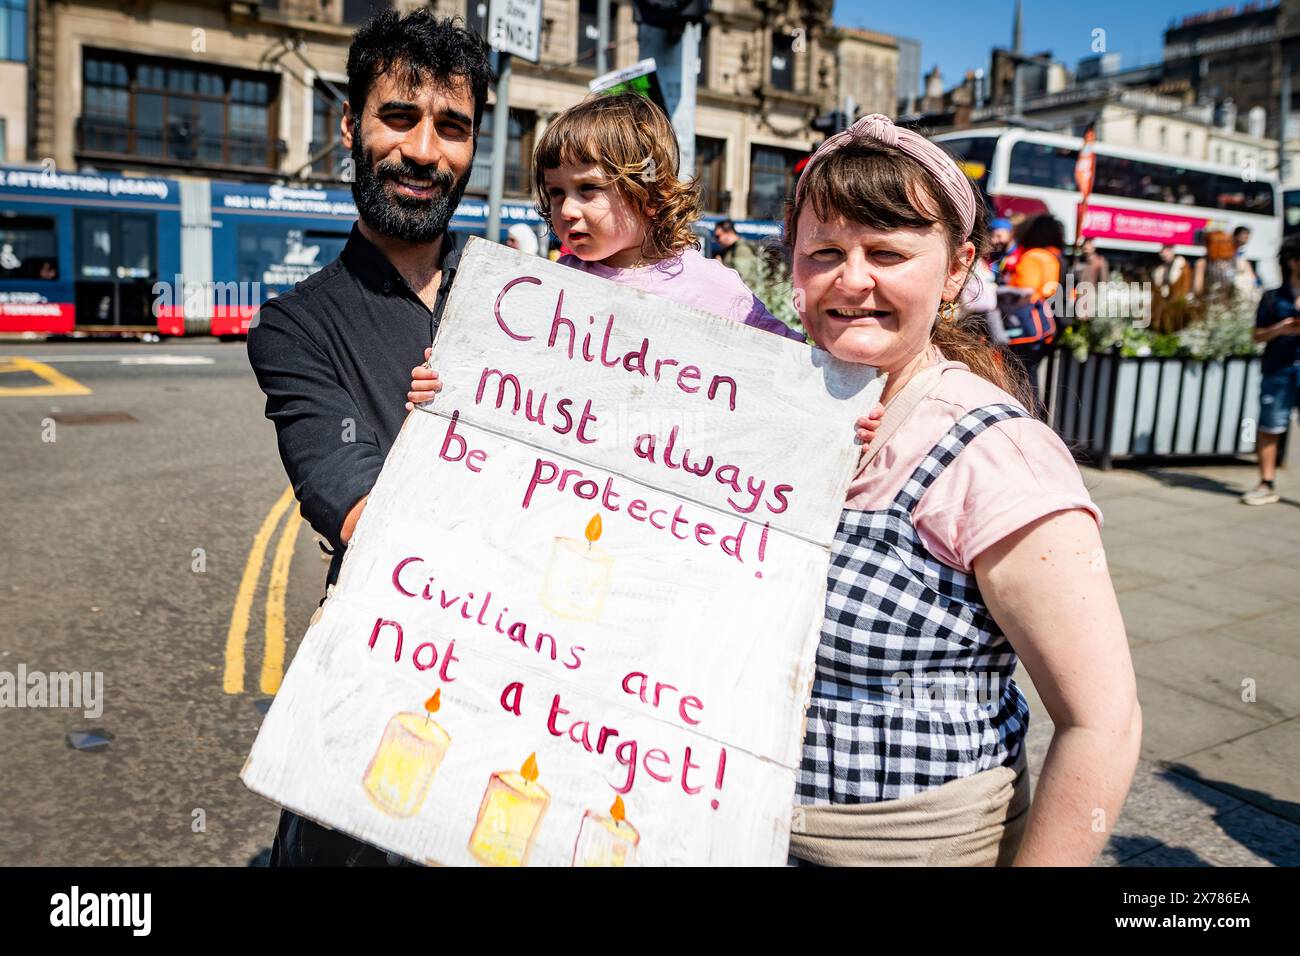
334,357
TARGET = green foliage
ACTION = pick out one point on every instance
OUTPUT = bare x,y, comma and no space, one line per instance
1225,330
769,279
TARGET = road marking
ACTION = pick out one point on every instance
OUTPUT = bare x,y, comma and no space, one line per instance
131,359
233,679
273,655
56,383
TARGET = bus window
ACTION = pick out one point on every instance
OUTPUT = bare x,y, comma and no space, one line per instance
1291,212
94,245
27,248
114,245
1241,195
136,239
975,156
1052,167
1037,164
279,257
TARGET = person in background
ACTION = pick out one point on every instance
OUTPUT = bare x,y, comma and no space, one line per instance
1277,324
522,238
1003,251
1093,267
1091,272
1030,325
736,252
1244,279
1171,277
1171,281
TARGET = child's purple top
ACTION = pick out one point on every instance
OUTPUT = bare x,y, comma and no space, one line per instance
691,279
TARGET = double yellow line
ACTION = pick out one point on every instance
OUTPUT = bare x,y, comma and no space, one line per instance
273,653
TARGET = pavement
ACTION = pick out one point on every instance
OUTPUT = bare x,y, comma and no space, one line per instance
129,547
1210,590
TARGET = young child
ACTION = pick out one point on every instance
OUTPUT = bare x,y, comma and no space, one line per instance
606,181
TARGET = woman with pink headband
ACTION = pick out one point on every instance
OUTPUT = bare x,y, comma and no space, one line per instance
967,543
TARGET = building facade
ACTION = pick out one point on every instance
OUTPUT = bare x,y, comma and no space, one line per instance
13,79
251,90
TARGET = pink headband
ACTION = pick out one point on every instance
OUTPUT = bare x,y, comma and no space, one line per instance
937,163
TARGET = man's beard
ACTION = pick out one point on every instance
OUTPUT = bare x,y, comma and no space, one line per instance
407,218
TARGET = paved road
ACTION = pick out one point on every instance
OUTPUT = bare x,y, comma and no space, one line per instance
160,469
161,450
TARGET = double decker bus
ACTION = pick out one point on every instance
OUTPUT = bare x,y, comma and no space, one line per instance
1140,200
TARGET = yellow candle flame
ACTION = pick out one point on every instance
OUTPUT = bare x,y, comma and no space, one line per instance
616,810
529,770
593,529
434,702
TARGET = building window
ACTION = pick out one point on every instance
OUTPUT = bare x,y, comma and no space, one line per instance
711,171
782,72
176,111
519,152
589,35
702,75
359,11
326,119
13,30
771,180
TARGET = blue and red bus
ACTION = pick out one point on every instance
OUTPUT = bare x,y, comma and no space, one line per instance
84,249
105,253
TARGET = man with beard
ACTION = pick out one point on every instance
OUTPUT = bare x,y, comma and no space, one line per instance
334,356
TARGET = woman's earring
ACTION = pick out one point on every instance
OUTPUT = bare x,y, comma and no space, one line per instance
948,312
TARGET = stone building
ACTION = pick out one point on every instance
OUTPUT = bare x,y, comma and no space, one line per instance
13,80
248,89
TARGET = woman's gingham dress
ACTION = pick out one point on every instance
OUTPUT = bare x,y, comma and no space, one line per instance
913,683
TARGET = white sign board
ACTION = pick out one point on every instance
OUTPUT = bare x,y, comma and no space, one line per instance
577,621
515,26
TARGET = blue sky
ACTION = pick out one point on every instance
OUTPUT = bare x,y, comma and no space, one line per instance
958,35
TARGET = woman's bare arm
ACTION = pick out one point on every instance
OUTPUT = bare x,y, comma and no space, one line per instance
1048,587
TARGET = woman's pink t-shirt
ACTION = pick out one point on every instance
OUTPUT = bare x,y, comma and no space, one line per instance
691,279
1011,474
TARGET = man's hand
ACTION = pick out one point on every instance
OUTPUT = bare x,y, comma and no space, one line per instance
868,424
424,383
350,522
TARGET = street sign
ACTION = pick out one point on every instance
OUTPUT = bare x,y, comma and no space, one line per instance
515,27
639,78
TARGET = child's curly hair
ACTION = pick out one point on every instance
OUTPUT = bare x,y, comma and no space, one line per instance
632,140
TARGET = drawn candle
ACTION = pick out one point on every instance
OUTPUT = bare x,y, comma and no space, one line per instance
577,577
508,817
408,756
606,840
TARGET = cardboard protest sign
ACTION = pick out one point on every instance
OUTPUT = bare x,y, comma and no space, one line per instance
577,620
